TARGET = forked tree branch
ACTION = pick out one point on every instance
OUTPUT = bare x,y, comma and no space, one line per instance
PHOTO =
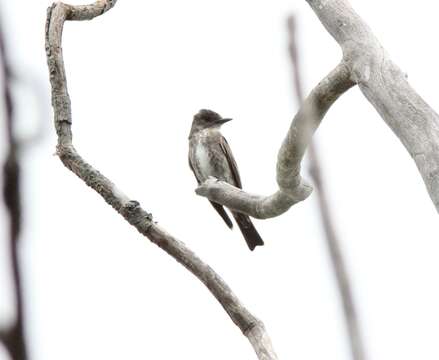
12,336
332,241
384,85
57,14
412,120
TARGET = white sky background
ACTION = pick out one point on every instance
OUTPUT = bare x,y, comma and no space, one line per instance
96,289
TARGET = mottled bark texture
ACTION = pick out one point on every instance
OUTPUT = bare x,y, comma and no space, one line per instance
12,335
57,14
338,262
366,64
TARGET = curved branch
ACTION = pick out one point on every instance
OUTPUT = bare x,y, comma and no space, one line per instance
385,86
57,14
292,188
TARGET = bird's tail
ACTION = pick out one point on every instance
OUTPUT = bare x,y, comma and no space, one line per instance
248,230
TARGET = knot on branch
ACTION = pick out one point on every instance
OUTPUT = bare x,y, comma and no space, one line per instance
250,327
109,4
136,216
66,153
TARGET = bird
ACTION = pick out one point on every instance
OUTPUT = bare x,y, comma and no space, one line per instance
210,155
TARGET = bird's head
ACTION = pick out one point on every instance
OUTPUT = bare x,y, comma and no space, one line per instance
205,119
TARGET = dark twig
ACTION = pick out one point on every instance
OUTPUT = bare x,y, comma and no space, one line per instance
332,241
13,336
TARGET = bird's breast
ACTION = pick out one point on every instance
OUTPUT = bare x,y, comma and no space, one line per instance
203,157
208,158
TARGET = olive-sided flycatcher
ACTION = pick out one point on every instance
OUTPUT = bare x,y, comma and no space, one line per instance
210,155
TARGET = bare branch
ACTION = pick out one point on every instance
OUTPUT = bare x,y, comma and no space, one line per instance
332,241
385,86
292,187
57,14
412,120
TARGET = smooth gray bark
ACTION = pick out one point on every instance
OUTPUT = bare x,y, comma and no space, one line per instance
366,64
57,14
386,87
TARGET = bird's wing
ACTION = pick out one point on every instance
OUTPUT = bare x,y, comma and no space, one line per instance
219,208
231,160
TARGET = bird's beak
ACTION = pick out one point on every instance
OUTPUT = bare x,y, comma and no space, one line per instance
223,121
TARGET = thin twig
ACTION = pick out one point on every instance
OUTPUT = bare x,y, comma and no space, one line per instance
332,241
57,14
13,336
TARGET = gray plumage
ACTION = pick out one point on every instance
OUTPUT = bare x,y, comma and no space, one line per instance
210,155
